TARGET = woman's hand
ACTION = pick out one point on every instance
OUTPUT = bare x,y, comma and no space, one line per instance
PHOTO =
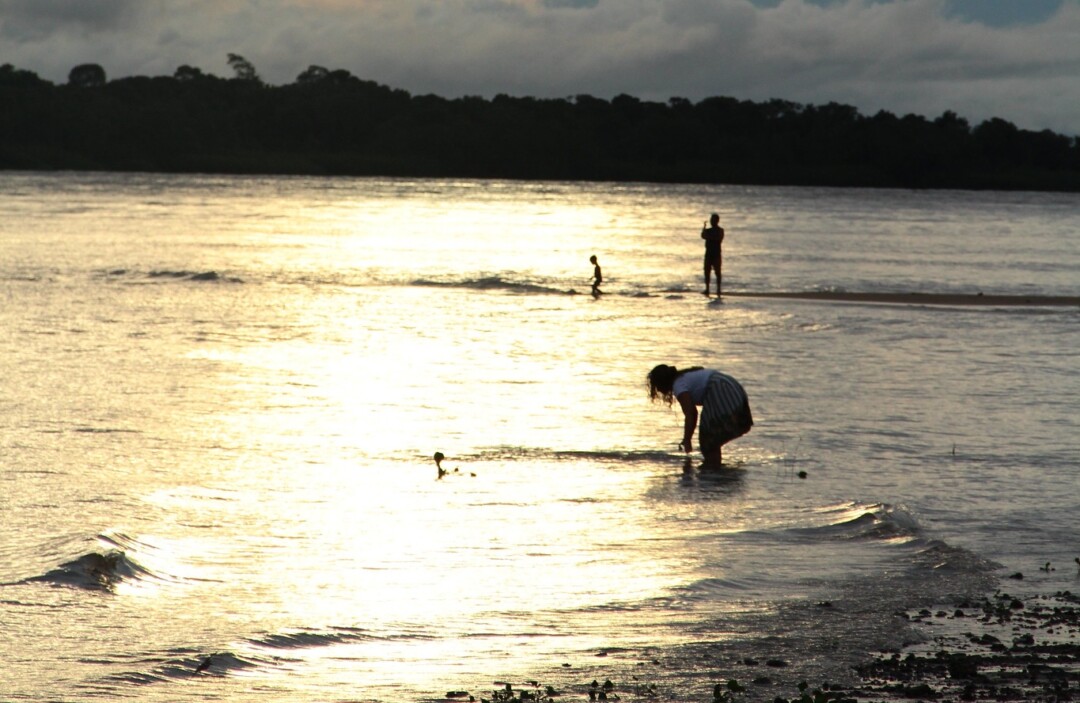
690,415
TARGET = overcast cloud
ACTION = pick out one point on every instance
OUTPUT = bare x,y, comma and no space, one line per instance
1015,59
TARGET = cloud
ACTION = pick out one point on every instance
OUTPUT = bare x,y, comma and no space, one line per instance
571,3
920,56
40,20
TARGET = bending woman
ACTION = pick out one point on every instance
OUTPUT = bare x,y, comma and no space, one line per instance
725,409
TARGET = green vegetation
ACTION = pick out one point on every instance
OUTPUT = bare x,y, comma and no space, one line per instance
331,122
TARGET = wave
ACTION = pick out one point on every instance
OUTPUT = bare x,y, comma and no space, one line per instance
304,639
494,283
171,275
509,454
632,457
184,664
499,283
101,571
943,558
266,651
866,522
944,297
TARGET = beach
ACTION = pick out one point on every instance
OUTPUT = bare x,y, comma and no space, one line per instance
998,648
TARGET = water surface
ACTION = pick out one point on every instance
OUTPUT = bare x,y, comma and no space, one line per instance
221,396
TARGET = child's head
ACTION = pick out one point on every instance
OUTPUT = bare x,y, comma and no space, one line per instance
592,259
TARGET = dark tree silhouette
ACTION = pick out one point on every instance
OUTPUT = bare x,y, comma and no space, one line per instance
87,75
331,122
15,77
313,74
244,69
188,73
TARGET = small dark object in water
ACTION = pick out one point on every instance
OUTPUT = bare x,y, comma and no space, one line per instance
802,474
1017,576
204,665
776,663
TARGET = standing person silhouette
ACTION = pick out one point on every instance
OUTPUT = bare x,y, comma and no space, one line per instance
598,277
713,234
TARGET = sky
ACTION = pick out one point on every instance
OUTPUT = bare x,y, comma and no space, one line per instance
1018,60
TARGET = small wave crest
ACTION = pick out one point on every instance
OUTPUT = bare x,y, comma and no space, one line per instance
187,665
104,568
508,454
941,557
303,639
867,522
265,651
493,283
102,571
171,275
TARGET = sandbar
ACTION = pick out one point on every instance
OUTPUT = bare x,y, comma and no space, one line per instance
949,299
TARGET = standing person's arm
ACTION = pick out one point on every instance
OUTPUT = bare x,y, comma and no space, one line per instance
689,421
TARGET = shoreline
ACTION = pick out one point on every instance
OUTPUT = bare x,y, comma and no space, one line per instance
997,649
943,299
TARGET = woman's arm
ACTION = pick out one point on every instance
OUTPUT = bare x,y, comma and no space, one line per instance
689,411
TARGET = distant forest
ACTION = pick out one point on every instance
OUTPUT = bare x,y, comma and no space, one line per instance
333,123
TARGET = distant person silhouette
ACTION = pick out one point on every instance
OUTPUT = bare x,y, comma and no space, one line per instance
725,409
597,278
713,234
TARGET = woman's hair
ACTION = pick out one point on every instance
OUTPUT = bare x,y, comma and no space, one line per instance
661,381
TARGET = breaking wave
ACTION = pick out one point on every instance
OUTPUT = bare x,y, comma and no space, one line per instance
102,571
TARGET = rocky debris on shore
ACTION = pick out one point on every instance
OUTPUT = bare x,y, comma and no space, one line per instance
999,649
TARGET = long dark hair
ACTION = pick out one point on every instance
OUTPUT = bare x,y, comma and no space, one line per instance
661,381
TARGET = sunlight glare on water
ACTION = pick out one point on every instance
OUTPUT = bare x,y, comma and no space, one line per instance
224,394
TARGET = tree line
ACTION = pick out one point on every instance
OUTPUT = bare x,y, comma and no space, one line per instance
333,123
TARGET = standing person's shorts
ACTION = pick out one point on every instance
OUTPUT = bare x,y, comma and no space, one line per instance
725,413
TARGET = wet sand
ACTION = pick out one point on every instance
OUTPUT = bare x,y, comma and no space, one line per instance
998,649
994,649
945,299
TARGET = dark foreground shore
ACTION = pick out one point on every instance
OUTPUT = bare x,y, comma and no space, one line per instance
996,649
1000,649
946,299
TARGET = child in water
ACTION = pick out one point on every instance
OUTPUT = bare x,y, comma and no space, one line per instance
598,277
